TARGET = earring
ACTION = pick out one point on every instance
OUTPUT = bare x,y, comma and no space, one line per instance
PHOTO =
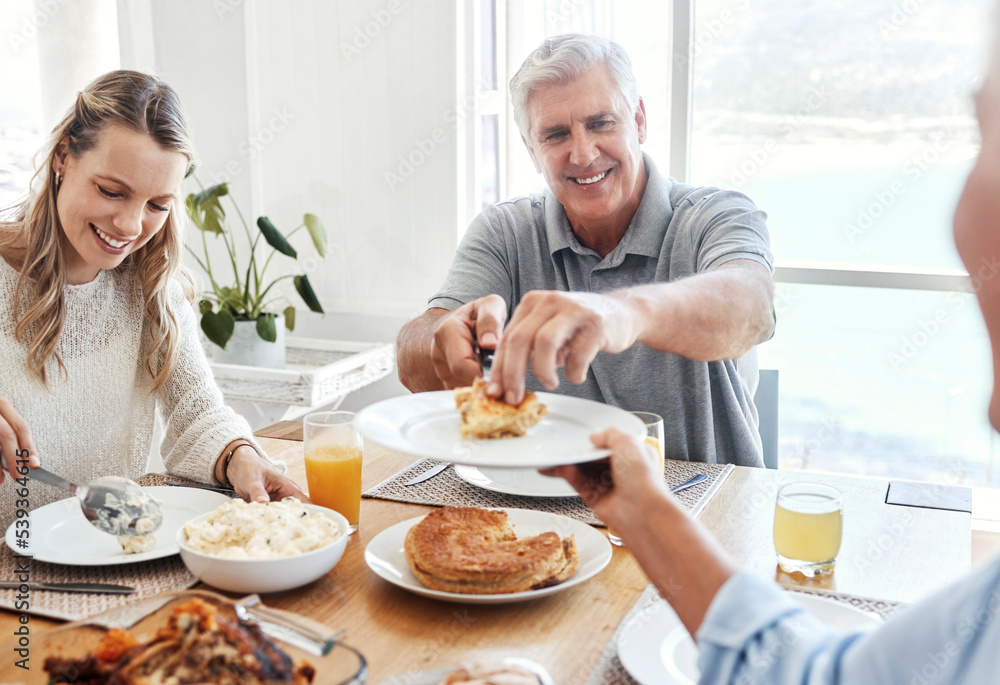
58,180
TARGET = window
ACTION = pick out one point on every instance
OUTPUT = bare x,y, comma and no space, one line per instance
852,126
486,102
82,38
21,112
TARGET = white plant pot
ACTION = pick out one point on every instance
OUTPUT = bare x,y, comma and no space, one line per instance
249,349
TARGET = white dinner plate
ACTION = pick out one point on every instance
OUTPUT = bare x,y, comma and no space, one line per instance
425,424
385,556
524,482
656,649
60,534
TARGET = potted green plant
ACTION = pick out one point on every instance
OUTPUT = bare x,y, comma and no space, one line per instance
247,301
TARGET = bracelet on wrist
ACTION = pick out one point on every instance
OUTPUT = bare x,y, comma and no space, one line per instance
228,458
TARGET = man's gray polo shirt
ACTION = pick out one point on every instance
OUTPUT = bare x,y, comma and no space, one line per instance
678,230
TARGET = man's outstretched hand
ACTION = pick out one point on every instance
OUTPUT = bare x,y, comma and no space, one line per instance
555,329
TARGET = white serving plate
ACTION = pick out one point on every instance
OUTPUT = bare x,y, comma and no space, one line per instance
60,534
426,425
523,482
656,649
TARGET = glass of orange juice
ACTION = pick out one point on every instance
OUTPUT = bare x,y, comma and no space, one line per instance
333,452
808,527
654,436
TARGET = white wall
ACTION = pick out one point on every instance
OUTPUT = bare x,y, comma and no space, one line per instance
346,110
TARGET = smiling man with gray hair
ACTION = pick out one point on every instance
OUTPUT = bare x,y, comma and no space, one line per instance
641,292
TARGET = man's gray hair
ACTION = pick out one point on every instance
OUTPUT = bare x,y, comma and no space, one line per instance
561,59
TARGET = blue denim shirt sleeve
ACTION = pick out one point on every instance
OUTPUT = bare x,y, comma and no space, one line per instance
755,633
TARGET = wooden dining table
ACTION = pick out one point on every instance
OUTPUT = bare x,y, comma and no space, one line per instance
890,552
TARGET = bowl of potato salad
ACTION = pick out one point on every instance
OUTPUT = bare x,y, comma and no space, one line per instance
257,547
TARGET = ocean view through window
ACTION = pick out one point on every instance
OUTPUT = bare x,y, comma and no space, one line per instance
851,125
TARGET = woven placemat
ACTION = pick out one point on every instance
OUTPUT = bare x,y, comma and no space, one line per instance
448,489
609,670
149,578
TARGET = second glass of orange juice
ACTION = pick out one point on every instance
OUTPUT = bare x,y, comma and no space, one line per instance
654,436
333,455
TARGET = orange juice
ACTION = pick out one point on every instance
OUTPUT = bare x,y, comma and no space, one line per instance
333,473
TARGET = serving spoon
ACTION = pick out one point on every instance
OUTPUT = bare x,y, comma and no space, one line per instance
112,504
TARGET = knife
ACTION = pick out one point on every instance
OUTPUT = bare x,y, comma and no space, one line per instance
201,486
693,480
69,587
428,474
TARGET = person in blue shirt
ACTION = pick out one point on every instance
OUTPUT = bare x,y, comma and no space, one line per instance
748,629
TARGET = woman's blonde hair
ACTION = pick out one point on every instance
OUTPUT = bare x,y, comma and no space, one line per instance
140,103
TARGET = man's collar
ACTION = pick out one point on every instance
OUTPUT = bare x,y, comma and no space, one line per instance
654,213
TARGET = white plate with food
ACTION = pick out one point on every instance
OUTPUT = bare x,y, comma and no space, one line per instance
656,649
386,556
523,482
426,424
61,535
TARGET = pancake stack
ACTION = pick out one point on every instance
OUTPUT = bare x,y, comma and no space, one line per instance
474,551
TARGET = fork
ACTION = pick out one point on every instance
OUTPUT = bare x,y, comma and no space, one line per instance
280,625
485,360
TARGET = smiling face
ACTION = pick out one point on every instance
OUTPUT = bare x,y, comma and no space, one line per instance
114,198
977,226
584,139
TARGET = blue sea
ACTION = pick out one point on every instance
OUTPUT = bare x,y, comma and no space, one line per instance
877,381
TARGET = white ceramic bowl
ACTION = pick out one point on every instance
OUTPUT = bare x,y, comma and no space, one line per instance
265,575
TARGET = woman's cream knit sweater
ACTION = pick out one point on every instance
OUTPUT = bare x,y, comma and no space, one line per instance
97,420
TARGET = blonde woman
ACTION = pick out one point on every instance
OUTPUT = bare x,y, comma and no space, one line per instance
96,331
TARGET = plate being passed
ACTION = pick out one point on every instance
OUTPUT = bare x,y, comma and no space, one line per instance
385,556
656,649
61,535
524,482
426,425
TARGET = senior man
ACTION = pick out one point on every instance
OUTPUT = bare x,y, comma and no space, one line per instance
642,292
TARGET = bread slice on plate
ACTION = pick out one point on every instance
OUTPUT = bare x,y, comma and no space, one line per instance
484,417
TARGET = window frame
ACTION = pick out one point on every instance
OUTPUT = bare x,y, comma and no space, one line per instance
476,102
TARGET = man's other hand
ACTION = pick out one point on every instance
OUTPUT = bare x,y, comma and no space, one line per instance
452,351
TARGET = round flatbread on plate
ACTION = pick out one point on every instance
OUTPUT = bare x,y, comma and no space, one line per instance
426,425
386,556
